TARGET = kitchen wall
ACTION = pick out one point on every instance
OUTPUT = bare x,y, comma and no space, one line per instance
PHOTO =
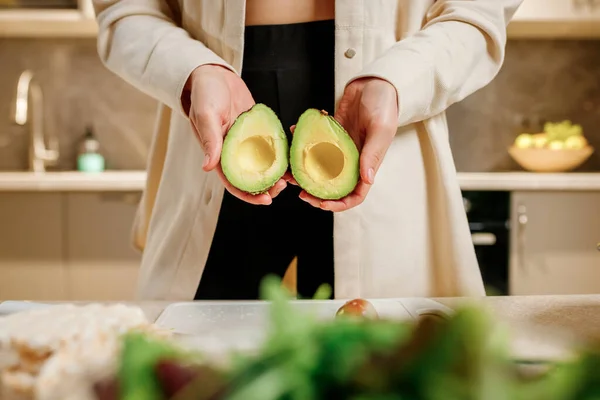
551,79
78,91
554,80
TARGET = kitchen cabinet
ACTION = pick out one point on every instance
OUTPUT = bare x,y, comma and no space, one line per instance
100,262
556,19
67,246
78,21
554,237
31,245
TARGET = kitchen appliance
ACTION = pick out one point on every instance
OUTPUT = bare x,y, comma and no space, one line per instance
488,213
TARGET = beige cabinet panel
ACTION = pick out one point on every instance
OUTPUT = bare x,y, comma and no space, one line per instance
101,263
31,246
554,239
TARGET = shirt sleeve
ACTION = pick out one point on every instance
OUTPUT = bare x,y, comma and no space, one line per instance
140,41
459,50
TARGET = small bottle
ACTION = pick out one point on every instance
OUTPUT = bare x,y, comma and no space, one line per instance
89,158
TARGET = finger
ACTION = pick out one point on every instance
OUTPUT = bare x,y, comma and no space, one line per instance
210,134
258,199
313,201
352,200
277,188
293,128
377,141
289,178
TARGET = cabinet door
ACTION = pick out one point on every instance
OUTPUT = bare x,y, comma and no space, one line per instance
100,260
31,246
554,239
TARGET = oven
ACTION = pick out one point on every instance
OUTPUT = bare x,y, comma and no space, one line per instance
488,213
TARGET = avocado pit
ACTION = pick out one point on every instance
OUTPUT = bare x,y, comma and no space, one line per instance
324,161
256,154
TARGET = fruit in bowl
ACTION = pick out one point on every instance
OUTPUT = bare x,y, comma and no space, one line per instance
556,136
560,147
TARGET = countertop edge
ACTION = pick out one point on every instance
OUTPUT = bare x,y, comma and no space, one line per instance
135,181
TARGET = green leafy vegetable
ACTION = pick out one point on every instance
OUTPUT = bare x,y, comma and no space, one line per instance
463,357
139,357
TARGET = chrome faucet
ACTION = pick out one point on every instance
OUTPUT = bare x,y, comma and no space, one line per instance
39,155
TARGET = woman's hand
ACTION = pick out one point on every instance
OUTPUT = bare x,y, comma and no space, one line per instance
217,97
368,110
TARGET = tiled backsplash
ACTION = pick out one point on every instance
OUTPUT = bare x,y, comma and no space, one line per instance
553,80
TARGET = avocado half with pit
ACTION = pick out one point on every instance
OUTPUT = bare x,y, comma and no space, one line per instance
255,151
323,157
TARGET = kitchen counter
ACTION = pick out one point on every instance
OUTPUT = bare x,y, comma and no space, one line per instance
574,181
541,327
72,181
578,314
135,181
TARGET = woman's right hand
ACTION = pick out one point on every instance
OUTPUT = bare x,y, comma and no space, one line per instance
217,97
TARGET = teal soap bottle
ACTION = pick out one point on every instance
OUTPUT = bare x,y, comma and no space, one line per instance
89,158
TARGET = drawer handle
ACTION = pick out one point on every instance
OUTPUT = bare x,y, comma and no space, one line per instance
483,239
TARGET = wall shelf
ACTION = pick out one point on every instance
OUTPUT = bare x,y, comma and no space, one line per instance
50,23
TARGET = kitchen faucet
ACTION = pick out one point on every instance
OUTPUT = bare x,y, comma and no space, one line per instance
39,155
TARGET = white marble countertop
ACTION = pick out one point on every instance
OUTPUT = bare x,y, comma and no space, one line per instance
539,323
576,181
72,181
135,181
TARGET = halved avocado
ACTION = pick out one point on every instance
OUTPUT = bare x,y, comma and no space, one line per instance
323,157
255,150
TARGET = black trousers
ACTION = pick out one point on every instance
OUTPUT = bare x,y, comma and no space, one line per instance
289,68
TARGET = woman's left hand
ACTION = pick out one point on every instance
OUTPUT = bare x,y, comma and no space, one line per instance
368,110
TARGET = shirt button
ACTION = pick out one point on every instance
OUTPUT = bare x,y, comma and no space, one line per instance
350,53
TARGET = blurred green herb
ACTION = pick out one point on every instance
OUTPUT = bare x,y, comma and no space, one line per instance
464,357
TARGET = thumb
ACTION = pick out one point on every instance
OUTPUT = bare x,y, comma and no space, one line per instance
210,134
372,154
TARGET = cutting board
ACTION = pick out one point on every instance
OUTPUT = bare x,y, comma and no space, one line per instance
11,307
220,326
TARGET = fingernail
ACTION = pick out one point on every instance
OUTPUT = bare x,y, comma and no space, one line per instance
371,175
206,160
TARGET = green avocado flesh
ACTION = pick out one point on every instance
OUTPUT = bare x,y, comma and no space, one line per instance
323,157
255,150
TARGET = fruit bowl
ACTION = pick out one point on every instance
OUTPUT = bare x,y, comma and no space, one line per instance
561,147
550,160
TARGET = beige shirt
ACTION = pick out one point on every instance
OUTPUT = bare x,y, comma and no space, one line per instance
410,237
